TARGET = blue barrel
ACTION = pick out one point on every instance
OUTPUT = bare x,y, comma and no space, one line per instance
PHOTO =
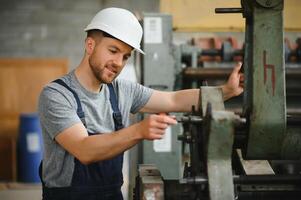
29,148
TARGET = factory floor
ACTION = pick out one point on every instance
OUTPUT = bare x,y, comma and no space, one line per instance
17,191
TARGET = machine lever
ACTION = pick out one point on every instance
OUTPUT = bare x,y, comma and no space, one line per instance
228,10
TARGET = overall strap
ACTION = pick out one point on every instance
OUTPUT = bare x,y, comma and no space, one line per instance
79,110
116,112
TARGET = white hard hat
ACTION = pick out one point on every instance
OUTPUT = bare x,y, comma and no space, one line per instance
121,24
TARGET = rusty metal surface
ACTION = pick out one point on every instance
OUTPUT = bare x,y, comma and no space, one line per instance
291,147
219,129
151,183
265,82
214,96
269,3
220,142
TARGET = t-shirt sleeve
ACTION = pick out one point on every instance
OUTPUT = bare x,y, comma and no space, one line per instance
137,93
56,111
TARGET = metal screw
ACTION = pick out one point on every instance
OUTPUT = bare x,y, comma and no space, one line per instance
268,2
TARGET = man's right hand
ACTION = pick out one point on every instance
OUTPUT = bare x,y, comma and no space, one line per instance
154,126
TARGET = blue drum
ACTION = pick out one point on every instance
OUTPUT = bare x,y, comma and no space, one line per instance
29,147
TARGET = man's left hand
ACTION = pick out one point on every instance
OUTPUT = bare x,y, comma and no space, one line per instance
234,85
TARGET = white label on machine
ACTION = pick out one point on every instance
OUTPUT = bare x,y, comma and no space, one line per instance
163,145
153,30
33,142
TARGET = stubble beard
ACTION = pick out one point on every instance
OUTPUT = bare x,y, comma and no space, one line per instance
98,72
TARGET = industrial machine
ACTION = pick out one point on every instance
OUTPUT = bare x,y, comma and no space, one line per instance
248,153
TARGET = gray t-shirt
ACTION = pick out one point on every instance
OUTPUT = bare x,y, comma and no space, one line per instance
57,112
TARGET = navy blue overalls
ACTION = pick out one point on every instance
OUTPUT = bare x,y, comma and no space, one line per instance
97,181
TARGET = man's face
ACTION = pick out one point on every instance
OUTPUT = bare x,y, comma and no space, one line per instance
108,59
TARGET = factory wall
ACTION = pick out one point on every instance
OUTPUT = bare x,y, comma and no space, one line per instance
53,29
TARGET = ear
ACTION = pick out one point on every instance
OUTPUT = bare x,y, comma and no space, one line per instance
89,45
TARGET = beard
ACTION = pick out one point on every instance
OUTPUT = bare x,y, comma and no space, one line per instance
99,72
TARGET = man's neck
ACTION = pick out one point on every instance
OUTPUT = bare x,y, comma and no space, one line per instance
87,79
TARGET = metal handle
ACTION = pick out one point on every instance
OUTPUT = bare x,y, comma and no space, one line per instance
228,10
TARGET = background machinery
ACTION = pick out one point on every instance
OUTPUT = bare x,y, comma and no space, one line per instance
247,148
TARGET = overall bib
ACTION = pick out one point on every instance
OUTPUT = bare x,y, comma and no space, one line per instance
97,181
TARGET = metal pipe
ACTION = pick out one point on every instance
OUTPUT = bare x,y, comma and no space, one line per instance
190,119
214,73
293,72
206,73
228,10
250,179
294,120
211,52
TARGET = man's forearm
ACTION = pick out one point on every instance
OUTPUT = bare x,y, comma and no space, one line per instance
185,99
105,146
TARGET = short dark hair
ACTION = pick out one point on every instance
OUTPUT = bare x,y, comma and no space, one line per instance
97,32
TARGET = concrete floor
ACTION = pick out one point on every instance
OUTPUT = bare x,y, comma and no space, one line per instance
31,192
24,194
17,191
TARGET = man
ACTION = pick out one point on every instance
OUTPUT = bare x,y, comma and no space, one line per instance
85,114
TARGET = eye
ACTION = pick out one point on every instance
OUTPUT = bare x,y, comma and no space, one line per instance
125,58
113,51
